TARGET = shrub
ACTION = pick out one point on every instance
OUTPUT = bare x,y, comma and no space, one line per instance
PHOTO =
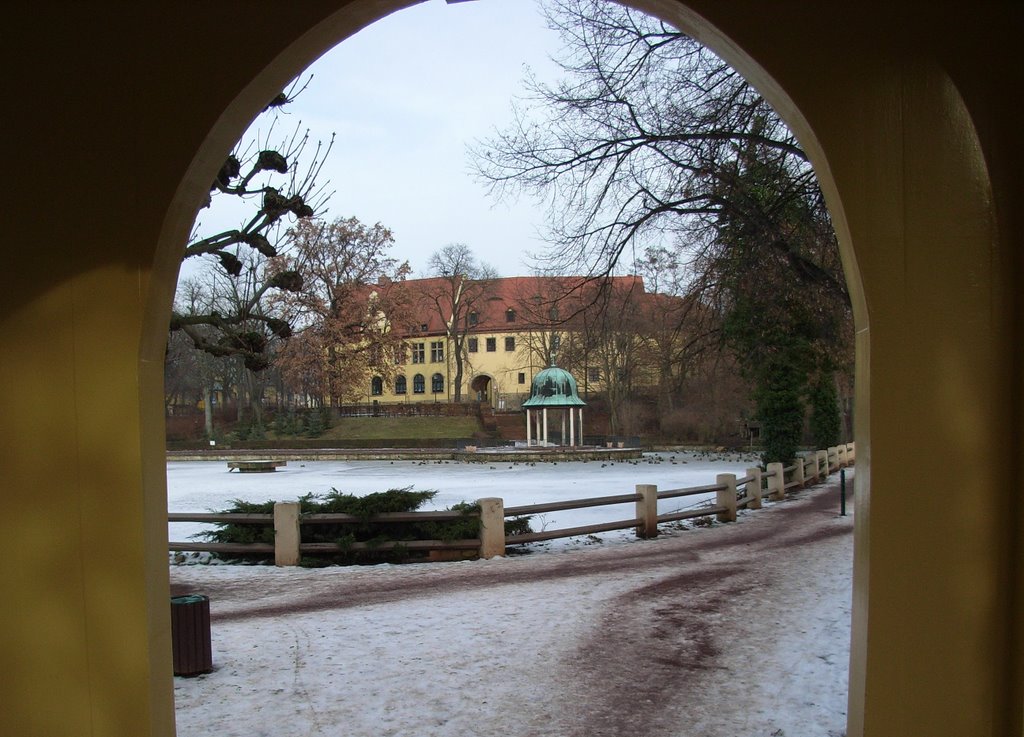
375,534
315,427
281,425
780,409
825,419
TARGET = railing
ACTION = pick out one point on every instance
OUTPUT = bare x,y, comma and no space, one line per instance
426,407
731,495
288,548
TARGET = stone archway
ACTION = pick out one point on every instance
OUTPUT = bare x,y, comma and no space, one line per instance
837,128
912,140
481,386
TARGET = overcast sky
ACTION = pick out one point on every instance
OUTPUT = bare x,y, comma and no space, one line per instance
405,97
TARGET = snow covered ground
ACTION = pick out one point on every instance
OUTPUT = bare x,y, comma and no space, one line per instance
738,630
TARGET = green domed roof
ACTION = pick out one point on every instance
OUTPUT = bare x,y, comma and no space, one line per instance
553,387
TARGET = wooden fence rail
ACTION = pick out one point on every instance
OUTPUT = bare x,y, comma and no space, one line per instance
731,494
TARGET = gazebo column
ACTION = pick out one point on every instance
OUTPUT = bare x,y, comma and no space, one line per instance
555,389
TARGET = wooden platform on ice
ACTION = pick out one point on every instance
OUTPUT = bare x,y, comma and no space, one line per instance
261,466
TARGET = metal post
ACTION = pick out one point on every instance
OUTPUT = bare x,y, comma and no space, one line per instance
842,492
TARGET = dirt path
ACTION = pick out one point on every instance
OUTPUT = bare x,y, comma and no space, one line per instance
647,638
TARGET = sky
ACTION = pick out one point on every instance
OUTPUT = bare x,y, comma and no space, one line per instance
405,97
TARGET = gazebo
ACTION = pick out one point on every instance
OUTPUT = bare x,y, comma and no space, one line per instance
553,390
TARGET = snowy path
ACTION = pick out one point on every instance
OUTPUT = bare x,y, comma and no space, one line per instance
737,630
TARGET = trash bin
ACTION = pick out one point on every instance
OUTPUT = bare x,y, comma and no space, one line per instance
190,635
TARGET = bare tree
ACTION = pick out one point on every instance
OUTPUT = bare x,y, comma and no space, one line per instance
678,326
635,145
545,305
352,310
214,293
456,294
279,184
652,140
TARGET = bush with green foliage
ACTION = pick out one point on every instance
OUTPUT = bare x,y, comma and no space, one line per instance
363,530
780,408
281,424
825,417
315,424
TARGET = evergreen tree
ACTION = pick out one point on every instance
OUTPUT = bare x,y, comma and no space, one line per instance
281,424
825,418
315,426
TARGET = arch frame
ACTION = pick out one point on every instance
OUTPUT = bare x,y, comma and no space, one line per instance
902,108
483,385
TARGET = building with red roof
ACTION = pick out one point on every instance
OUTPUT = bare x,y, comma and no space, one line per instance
507,330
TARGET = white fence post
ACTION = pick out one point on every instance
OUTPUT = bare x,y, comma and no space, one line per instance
286,534
823,464
492,527
754,488
647,510
777,482
841,455
798,471
726,497
851,453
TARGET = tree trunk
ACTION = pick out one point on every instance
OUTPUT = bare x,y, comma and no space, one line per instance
208,411
457,380
253,392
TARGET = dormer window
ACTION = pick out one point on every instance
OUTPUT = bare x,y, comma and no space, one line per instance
510,315
473,318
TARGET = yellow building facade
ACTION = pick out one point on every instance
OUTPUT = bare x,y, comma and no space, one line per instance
496,371
511,331
117,118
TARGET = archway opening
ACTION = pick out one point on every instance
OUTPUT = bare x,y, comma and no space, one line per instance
481,384
908,106
481,387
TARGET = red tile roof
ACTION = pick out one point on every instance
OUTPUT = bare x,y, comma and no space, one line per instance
531,299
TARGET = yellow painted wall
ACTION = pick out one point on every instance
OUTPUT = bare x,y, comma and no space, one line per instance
501,367
118,115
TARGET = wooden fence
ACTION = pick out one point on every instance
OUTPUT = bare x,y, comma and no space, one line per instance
731,495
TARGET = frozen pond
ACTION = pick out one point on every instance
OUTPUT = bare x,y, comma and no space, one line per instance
203,486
